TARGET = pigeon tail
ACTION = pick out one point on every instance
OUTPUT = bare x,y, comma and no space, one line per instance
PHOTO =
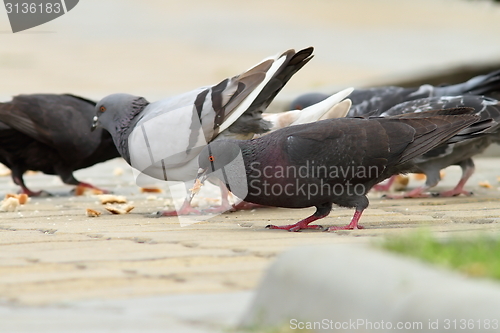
317,111
478,85
282,69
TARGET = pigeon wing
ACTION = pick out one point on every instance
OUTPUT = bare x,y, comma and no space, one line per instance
59,121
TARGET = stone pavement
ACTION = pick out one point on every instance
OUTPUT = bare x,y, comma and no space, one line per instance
52,254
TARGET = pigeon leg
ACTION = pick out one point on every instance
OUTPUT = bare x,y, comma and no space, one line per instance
432,179
17,177
68,178
225,205
352,225
386,186
18,180
467,171
186,209
304,224
246,206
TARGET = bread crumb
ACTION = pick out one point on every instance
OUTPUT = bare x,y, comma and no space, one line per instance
419,176
151,190
111,198
485,184
400,183
82,190
9,205
196,187
122,209
92,213
22,198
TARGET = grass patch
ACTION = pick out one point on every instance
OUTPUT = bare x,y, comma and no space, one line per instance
478,256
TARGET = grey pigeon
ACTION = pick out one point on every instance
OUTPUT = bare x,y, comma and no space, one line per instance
51,133
458,152
374,101
162,139
329,161
393,100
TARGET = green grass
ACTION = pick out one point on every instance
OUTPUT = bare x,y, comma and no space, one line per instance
477,256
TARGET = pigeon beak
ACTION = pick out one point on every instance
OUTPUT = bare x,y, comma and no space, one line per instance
200,178
95,120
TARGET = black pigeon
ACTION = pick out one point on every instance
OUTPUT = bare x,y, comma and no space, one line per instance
330,161
51,133
374,101
458,152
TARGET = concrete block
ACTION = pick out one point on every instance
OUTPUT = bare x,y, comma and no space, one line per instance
355,288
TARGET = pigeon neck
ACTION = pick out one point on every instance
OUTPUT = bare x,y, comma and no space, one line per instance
126,124
258,151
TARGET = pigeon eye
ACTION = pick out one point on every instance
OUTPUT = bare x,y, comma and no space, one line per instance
102,108
211,158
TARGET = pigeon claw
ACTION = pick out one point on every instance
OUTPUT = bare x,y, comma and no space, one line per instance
294,227
40,194
192,211
452,193
246,206
345,227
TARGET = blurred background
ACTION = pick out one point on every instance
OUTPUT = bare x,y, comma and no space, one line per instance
156,48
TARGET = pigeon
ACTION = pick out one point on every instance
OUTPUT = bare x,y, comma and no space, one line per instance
162,139
458,152
330,108
51,133
329,161
373,101
392,100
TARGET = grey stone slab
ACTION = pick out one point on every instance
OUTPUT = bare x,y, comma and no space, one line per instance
372,291
209,313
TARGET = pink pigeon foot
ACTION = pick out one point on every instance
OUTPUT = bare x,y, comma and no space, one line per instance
385,187
452,193
350,226
246,206
304,224
30,193
27,191
186,209
217,209
467,172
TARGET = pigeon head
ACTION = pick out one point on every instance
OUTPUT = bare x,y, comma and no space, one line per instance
224,160
116,111
217,155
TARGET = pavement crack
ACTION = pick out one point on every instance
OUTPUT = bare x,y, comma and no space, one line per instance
48,231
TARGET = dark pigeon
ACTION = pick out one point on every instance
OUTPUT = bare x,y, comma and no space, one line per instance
458,152
51,133
330,161
374,101
163,139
